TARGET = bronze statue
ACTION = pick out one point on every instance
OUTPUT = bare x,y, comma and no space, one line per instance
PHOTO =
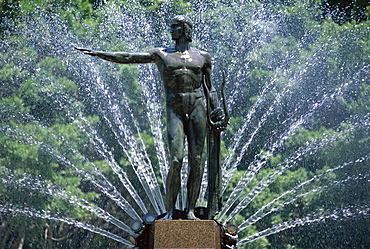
184,71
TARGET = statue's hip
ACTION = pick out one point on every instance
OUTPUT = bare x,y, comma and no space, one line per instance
185,102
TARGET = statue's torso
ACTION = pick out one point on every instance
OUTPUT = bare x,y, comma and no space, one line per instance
181,72
182,75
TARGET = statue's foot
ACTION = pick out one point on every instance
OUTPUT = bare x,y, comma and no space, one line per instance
167,216
191,216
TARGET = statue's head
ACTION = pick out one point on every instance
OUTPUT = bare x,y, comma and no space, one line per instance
186,23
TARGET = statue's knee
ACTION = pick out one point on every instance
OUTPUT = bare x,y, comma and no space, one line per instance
176,163
176,159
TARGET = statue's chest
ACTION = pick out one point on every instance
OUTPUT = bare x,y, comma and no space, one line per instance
189,60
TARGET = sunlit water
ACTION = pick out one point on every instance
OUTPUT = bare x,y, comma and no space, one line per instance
238,45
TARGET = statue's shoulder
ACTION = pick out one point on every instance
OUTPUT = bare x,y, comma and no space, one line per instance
204,54
157,51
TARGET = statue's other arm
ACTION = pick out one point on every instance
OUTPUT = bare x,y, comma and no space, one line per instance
207,72
217,113
121,57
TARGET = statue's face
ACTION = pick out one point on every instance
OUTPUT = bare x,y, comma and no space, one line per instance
176,30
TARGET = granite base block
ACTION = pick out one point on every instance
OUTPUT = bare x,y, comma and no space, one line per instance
189,234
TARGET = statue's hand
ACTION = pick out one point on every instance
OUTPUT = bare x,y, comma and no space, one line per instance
87,51
217,114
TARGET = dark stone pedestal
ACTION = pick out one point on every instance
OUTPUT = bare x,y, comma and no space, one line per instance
181,234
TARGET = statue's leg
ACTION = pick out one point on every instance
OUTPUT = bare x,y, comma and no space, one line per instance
175,136
196,136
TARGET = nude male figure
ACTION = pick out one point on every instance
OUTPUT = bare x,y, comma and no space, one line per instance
183,70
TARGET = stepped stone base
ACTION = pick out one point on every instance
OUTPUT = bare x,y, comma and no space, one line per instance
190,234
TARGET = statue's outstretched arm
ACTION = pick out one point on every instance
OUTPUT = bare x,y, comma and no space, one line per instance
120,57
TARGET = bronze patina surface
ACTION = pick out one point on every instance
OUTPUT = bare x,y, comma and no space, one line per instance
186,74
